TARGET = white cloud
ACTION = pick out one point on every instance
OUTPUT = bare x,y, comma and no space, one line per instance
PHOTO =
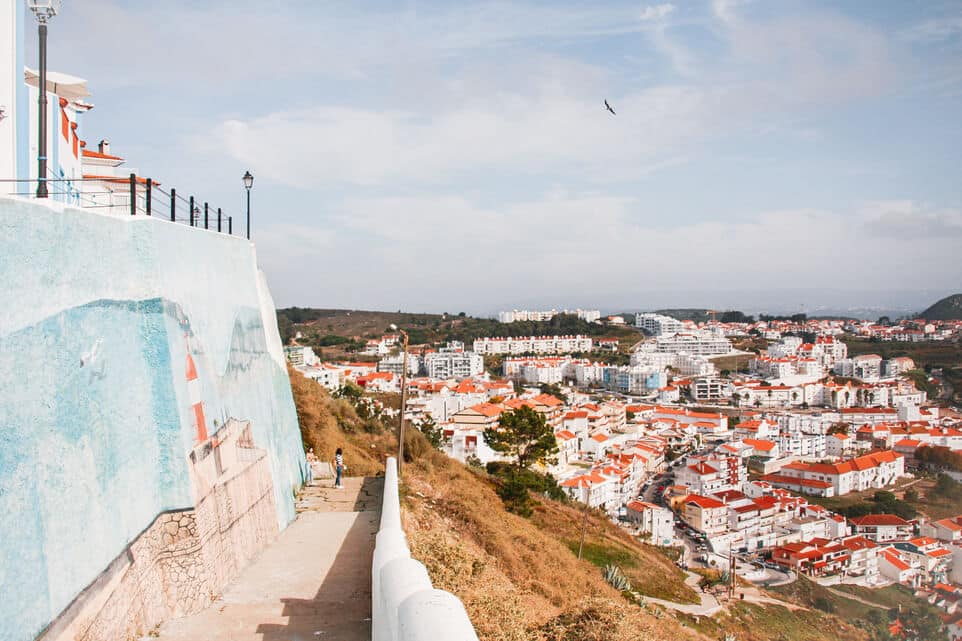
547,130
656,12
440,123
904,219
463,254
935,30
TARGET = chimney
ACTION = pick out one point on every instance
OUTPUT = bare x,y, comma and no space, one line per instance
105,147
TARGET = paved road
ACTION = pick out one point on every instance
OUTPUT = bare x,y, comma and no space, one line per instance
313,583
710,605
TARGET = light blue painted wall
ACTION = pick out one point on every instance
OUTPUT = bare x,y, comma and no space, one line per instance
96,315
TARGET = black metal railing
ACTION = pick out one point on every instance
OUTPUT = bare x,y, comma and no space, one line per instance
131,195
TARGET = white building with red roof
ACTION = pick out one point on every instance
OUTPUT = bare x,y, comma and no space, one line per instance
882,528
705,514
755,428
948,530
893,567
839,445
871,471
655,521
762,448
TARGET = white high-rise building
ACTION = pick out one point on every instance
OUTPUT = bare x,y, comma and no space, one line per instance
533,345
703,343
587,315
445,365
658,324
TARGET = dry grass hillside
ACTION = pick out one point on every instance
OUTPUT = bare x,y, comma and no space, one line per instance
329,423
517,580
520,578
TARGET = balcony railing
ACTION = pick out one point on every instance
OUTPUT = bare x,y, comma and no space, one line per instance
131,195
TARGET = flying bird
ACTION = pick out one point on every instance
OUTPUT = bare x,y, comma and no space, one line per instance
608,107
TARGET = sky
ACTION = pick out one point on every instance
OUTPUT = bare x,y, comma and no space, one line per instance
448,156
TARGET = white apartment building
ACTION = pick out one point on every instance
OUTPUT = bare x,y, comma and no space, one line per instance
541,373
801,444
709,475
703,343
587,315
705,514
684,364
867,367
533,345
589,374
395,364
636,379
657,522
445,365
643,356
871,471
657,324
710,389
693,365
840,445
327,376
300,356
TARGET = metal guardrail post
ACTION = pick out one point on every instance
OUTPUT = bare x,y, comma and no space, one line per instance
147,196
218,219
206,217
173,205
133,194
191,211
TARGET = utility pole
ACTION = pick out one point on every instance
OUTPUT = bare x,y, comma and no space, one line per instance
584,522
731,573
404,398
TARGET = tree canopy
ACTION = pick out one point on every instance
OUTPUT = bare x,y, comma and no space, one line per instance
524,435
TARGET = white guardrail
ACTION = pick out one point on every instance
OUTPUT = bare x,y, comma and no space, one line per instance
405,607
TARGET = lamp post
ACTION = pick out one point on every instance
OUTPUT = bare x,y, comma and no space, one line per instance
248,183
404,399
43,10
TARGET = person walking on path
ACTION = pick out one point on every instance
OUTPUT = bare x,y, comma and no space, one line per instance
339,467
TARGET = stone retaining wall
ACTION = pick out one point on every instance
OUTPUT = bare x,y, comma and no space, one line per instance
181,562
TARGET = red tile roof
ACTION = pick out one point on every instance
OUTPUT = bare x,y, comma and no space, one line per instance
878,519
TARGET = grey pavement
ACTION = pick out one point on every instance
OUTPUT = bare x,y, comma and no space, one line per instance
312,583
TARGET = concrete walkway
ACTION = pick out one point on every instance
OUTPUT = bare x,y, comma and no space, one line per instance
709,604
857,598
313,583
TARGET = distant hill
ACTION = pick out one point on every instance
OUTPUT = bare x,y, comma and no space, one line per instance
949,308
683,314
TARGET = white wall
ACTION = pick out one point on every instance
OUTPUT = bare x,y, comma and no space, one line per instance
404,605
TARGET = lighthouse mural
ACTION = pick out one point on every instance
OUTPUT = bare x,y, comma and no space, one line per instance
194,393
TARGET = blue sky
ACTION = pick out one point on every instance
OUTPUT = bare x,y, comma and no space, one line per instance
457,156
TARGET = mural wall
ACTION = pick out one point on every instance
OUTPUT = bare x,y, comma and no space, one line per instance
102,319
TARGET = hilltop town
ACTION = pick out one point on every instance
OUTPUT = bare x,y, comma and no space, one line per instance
805,455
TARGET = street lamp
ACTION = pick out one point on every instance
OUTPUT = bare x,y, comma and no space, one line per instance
404,400
248,183
43,10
